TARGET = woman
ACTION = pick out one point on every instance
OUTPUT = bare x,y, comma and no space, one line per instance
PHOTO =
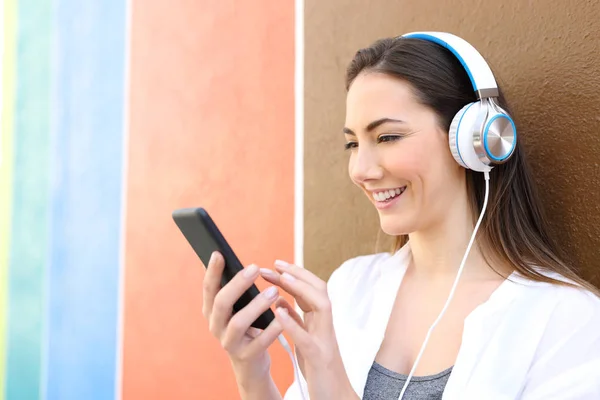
521,324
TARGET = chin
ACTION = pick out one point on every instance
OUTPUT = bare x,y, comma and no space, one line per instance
396,225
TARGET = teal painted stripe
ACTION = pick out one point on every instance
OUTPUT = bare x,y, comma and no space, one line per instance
30,202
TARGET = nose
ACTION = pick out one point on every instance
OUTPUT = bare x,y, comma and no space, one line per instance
365,165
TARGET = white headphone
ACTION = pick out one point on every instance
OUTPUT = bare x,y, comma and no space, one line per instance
482,134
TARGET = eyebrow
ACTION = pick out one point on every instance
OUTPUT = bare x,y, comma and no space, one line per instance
373,125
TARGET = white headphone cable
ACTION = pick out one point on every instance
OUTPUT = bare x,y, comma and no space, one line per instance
288,349
451,295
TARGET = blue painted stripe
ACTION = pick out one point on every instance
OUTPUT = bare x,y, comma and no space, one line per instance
30,203
86,199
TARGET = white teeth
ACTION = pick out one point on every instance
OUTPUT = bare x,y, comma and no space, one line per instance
387,194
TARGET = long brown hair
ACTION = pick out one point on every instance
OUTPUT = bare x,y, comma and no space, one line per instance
514,229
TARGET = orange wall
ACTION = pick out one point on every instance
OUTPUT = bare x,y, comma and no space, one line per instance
212,125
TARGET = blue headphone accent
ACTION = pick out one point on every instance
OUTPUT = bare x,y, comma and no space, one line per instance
485,137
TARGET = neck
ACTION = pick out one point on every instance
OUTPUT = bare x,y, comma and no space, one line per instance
437,251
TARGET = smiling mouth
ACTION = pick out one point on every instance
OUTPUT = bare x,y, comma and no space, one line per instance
387,196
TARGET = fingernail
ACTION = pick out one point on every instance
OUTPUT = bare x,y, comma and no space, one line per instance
253,331
287,277
282,264
283,313
212,257
250,271
268,273
271,293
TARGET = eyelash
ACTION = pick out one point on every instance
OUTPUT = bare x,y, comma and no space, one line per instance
380,139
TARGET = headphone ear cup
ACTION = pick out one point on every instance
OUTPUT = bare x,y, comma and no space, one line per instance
499,137
461,140
453,133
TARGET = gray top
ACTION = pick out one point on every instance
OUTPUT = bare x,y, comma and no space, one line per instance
383,384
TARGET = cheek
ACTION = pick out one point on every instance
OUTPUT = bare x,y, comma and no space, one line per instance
439,177
350,168
407,165
426,169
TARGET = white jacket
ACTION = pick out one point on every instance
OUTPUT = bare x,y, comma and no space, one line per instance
529,341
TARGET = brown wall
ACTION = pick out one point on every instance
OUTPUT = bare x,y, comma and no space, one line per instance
546,56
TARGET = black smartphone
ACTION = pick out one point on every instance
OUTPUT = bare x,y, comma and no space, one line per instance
204,237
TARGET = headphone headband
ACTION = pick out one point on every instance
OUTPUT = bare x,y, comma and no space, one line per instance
477,68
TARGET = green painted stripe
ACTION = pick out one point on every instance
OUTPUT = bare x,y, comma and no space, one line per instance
9,17
30,201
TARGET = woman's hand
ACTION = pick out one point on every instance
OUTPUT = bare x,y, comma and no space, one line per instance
314,338
246,346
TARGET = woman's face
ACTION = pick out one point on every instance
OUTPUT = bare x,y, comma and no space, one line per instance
399,155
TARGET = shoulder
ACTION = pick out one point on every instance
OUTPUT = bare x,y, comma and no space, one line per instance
356,272
569,318
571,305
358,266
575,308
351,285
567,350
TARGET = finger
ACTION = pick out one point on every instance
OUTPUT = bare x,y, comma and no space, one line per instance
226,297
298,334
212,282
282,302
300,273
307,296
265,339
275,278
238,324
270,276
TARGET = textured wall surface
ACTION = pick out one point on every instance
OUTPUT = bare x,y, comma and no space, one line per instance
113,114
546,56
61,177
212,125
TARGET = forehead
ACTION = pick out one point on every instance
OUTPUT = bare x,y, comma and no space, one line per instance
375,95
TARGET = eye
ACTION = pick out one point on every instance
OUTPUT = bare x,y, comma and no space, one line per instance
388,138
350,145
